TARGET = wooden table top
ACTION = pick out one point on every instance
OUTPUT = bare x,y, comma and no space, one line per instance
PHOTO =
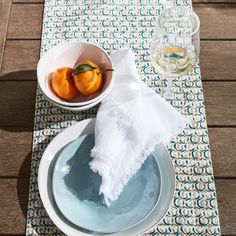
20,32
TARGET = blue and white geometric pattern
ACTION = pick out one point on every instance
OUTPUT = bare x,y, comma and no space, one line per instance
115,24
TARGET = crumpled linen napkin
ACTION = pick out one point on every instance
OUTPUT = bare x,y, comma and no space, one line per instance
130,122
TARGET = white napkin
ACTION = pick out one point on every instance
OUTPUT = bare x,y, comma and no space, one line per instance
130,122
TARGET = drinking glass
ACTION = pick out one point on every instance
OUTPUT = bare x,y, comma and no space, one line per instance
175,45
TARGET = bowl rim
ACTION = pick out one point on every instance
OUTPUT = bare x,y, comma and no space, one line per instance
43,88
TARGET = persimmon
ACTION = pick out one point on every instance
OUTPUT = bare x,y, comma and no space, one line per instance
87,77
63,84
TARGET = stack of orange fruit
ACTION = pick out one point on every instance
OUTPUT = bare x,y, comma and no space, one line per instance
85,78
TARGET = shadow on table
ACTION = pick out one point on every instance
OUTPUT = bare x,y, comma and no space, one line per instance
17,105
23,184
17,109
26,75
17,99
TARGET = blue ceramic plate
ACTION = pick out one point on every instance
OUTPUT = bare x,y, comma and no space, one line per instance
76,191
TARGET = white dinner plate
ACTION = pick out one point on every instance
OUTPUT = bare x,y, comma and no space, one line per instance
47,164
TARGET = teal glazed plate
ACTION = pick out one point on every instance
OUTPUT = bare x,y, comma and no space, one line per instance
76,191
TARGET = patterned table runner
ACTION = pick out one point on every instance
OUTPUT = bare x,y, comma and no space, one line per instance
115,24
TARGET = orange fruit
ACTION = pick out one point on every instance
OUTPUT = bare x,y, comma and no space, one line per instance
90,81
63,84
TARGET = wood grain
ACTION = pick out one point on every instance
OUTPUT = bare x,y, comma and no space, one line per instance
13,205
220,100
223,151
194,1
14,195
15,154
218,60
22,56
17,105
212,1
17,101
226,192
30,1
25,21
217,21
5,6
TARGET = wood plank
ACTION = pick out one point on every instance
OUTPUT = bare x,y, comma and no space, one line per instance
28,1
220,98
21,56
211,1
25,21
17,100
12,234
13,205
20,60
5,6
15,151
194,1
226,192
223,152
218,60
14,195
218,21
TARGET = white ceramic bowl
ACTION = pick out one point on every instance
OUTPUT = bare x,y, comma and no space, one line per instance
69,54
79,108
